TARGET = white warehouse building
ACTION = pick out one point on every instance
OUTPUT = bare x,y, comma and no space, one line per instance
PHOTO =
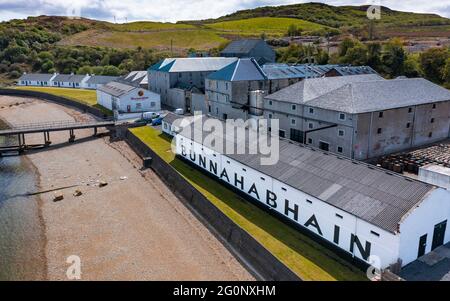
369,213
127,99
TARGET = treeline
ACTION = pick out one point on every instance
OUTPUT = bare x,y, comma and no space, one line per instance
389,59
34,49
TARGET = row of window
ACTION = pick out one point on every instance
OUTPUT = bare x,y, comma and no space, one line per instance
342,116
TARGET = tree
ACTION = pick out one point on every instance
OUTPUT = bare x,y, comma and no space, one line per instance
411,66
432,63
293,31
356,56
374,55
346,44
111,71
393,58
84,70
446,73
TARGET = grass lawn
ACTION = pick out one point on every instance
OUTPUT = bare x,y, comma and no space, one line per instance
301,254
88,97
148,26
268,25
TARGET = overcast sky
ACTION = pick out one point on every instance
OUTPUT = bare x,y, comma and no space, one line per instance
175,10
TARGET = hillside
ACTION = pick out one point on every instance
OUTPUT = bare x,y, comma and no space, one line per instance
333,16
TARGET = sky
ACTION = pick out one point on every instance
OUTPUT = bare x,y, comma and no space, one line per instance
175,10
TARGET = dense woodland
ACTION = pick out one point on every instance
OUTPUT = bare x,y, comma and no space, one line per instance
25,48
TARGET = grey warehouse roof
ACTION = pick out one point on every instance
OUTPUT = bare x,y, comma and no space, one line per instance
171,117
116,89
241,46
362,97
367,192
100,79
192,64
42,77
311,88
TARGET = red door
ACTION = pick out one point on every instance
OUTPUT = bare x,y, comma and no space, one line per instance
128,109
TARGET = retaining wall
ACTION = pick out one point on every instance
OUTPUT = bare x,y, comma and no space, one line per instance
243,245
57,99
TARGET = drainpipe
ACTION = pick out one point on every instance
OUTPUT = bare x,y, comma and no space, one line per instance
370,136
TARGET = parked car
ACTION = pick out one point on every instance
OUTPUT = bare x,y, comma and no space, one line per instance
149,115
157,121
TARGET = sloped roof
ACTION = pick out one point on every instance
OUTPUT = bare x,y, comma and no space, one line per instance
249,69
72,78
361,97
100,79
117,89
242,46
240,70
365,191
311,88
354,70
196,64
42,77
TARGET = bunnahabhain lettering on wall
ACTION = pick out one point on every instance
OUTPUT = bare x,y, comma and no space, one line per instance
289,208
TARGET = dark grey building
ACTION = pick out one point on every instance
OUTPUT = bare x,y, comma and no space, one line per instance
180,80
362,116
250,48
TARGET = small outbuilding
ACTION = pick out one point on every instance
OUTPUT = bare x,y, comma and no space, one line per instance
124,98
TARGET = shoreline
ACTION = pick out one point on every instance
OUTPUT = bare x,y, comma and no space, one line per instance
42,240
135,228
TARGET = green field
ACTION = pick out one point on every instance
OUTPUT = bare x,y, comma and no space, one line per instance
88,97
200,39
301,254
270,26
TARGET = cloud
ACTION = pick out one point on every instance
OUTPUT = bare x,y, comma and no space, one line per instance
175,10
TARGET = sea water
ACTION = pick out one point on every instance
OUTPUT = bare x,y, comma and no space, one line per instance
22,238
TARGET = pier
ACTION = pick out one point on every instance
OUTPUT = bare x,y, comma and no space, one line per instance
20,131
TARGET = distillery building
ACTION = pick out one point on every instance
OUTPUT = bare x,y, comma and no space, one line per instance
365,211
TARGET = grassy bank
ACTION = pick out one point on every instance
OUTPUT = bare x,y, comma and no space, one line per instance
301,254
88,97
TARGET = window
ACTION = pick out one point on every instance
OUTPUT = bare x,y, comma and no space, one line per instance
340,149
263,179
310,125
339,216
294,107
138,106
311,110
309,202
432,120
341,133
434,106
209,108
243,169
341,116
226,86
379,130
430,134
282,134
217,111
410,110
270,116
408,125
165,126
310,141
269,129
270,103
380,115
293,121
